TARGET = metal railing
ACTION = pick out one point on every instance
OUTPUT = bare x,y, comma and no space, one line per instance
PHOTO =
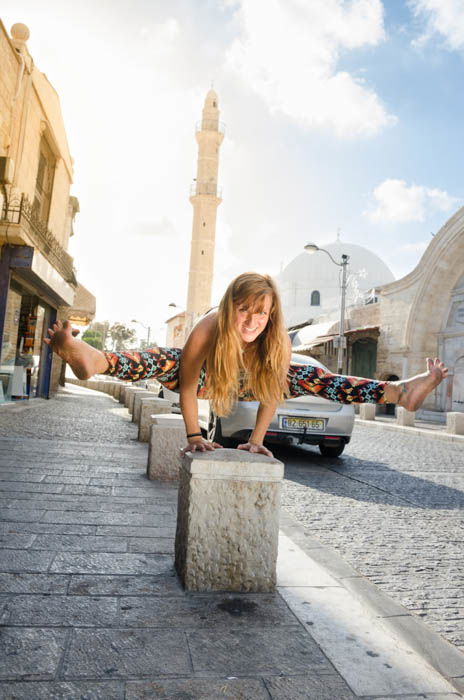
20,211
209,188
210,125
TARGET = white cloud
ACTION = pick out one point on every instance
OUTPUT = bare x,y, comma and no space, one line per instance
442,17
288,56
396,201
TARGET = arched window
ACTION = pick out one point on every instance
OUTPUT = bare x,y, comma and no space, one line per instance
315,298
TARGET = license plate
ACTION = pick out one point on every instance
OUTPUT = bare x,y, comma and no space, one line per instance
297,423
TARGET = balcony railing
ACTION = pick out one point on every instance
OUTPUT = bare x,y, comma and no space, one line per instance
210,188
21,211
210,125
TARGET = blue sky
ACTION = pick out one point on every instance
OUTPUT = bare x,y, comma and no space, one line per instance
338,114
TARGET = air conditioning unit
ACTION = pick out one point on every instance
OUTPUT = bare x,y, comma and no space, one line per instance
6,170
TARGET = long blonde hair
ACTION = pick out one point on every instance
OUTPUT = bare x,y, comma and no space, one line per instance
263,362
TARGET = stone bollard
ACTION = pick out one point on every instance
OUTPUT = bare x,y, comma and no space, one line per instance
153,385
150,406
108,386
169,419
122,393
116,390
138,403
455,423
129,397
404,417
228,521
100,384
367,411
132,395
164,449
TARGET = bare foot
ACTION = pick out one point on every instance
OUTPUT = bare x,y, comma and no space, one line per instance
60,339
412,392
83,359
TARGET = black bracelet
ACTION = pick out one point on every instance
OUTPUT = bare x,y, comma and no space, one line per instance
189,435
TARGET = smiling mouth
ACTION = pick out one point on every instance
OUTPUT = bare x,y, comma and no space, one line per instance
250,329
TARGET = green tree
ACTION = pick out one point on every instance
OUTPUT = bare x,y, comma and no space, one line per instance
121,336
93,338
97,335
143,345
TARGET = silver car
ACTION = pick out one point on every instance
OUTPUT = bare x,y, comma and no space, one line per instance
309,420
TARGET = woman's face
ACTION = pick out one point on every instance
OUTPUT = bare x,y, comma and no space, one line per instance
251,321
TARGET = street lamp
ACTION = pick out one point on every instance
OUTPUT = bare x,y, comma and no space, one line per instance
313,248
147,328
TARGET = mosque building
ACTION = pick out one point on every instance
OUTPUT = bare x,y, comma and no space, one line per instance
310,284
310,287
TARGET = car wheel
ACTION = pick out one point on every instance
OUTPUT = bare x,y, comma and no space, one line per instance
331,450
215,431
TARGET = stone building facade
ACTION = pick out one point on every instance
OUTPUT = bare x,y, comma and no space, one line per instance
37,277
422,315
418,316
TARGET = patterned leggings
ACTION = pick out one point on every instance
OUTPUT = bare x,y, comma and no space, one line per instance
163,364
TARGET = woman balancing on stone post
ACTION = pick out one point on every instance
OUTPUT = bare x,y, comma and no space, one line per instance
239,352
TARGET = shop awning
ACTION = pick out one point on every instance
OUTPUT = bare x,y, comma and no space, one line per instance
362,329
319,333
315,334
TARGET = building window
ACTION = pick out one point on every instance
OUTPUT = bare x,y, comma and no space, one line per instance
315,298
44,182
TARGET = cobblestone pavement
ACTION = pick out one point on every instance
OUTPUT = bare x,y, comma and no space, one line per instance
90,607
62,419
392,506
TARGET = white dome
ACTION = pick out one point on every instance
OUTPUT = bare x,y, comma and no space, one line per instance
308,273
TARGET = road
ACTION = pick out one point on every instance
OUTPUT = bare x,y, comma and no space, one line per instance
392,506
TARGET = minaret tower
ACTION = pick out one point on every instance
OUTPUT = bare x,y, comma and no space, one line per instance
205,198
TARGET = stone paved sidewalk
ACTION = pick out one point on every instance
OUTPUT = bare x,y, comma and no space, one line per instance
89,602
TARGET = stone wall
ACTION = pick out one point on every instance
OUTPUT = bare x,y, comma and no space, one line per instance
10,63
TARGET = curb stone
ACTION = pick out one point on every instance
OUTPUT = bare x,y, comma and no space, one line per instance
432,434
440,654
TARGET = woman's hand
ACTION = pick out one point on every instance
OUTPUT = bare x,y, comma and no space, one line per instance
199,444
254,448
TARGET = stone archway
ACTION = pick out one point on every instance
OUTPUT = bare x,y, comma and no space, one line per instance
437,278
440,269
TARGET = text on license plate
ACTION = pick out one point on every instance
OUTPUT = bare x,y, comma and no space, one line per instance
297,423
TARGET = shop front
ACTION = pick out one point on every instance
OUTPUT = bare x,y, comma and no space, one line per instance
29,305
24,368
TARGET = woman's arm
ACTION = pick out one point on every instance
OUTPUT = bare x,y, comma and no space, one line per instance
263,418
193,357
255,441
84,360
